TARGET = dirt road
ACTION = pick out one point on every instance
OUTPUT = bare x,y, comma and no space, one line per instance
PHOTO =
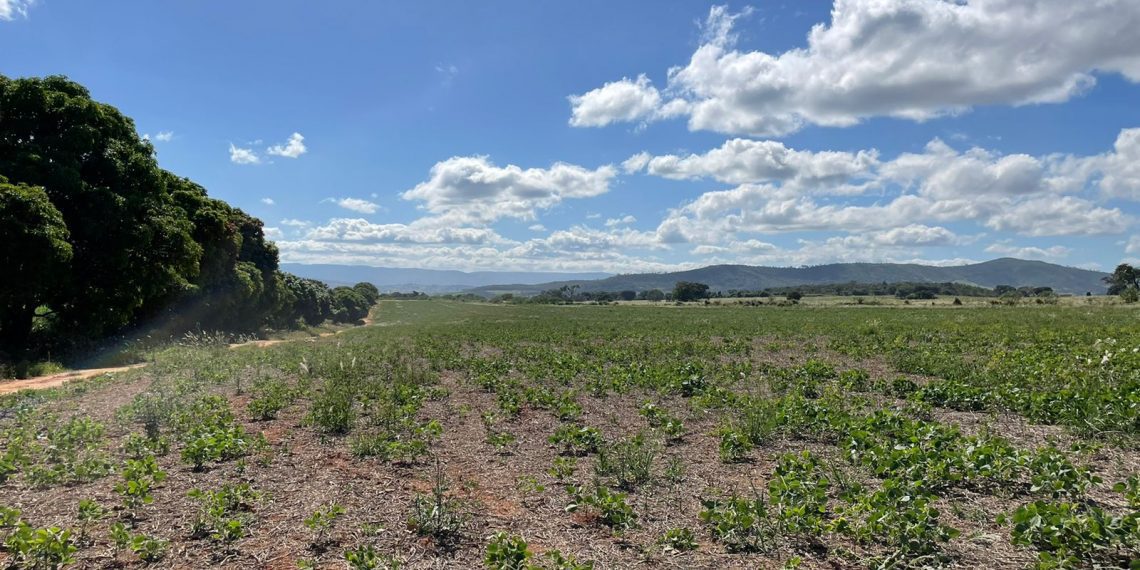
61,378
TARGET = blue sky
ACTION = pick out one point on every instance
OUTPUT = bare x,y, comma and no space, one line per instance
630,136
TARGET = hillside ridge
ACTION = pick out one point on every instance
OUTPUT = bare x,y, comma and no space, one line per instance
1001,271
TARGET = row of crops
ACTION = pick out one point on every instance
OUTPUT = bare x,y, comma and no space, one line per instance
725,435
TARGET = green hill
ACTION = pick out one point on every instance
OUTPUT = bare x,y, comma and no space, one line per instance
1004,271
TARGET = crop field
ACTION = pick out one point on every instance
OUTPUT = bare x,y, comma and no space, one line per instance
465,435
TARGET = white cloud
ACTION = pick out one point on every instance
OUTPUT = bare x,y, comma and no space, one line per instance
274,233
473,190
360,230
268,201
538,255
622,221
1060,216
1032,196
9,9
294,223
536,228
243,155
1029,252
636,163
914,59
741,161
1133,245
625,100
164,136
293,148
355,204
1119,169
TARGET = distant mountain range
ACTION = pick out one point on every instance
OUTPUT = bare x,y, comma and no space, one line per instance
426,280
1004,271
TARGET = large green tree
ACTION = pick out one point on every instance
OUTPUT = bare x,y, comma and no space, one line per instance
34,253
348,305
146,247
1124,277
133,248
690,291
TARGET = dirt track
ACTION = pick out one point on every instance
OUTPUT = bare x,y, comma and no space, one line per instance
61,378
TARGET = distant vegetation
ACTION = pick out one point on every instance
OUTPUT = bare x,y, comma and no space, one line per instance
100,239
1012,272
692,291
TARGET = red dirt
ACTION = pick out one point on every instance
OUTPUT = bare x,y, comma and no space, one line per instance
60,378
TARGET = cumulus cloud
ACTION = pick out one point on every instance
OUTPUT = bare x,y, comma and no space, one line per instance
567,252
9,9
243,155
1119,170
356,229
1132,245
292,148
740,161
164,136
622,221
356,205
625,100
1067,215
1029,252
786,190
913,59
473,190
268,201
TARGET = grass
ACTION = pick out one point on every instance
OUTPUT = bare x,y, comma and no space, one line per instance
719,435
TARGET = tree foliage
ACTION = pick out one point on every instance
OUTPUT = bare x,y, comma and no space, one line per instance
690,291
1123,278
34,248
106,239
348,305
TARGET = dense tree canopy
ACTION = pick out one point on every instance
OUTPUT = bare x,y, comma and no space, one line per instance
34,249
133,251
1124,277
105,239
349,305
690,291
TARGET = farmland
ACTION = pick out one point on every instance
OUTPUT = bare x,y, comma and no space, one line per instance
527,436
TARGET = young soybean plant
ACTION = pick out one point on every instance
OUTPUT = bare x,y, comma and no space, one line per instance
139,477
321,522
89,513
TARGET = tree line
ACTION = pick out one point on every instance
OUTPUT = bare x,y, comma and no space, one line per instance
96,238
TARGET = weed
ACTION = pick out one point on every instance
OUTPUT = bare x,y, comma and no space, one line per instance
437,516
